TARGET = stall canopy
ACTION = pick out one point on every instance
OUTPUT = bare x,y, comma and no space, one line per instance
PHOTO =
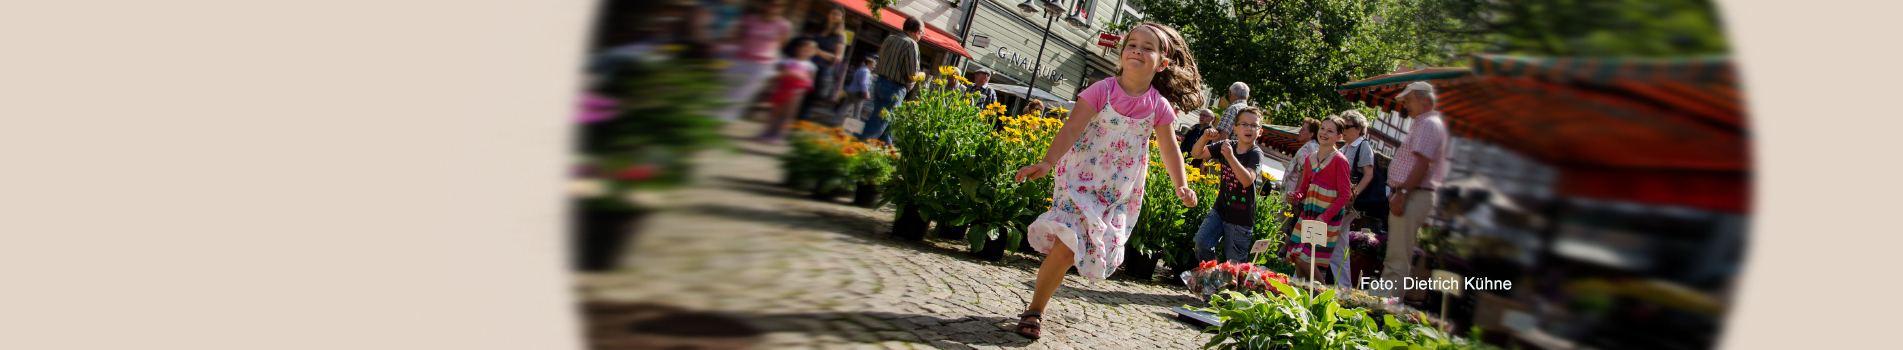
1050,99
895,20
1282,138
1652,131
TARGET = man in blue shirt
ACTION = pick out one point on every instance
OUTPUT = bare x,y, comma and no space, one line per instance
858,90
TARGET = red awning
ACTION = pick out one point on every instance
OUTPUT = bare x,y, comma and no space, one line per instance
1667,132
894,19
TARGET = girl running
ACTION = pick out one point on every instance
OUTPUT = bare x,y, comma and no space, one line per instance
1099,180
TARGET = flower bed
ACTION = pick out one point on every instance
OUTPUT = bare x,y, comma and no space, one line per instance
957,161
1210,279
1312,316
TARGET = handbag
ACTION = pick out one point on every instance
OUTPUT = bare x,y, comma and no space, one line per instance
1371,200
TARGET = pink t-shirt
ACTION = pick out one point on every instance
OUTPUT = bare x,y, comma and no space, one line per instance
760,40
1139,107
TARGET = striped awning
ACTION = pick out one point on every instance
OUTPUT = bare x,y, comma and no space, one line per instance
1653,131
1281,138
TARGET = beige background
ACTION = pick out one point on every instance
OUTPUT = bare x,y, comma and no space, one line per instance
384,175
285,174
1825,245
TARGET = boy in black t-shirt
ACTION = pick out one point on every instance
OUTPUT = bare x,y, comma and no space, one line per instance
1232,218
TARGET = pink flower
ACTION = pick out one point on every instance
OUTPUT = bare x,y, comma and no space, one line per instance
1086,176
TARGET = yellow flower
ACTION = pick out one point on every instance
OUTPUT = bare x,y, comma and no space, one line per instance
918,78
962,79
719,64
939,81
947,70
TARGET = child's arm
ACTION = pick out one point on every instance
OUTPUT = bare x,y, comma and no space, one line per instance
1243,174
1300,191
1174,165
1201,151
1060,144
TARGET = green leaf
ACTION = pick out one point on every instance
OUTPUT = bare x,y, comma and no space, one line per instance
976,240
1016,235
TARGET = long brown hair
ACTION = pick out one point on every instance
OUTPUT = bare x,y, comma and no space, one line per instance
834,27
1180,82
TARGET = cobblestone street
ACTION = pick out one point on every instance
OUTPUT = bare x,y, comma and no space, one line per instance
815,274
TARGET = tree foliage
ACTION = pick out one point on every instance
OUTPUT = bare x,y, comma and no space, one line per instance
1576,28
1295,52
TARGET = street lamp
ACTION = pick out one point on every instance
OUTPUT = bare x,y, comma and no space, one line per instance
1076,19
1051,10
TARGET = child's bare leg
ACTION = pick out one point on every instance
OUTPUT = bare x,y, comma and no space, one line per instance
1051,275
777,122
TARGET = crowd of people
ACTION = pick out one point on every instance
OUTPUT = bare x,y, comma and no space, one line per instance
1333,178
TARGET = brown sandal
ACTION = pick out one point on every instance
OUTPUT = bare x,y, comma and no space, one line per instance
1029,325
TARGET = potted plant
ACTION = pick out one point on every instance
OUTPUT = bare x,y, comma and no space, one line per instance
639,126
610,203
869,165
930,134
957,164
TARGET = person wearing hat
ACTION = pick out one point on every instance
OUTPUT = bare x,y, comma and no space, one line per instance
858,89
986,95
1419,166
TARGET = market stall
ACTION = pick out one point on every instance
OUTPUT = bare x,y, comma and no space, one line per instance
1652,189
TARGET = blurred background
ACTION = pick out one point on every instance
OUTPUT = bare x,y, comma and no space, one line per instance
1599,154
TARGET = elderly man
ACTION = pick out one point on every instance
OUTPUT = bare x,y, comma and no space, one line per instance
986,95
1239,97
1419,166
1203,120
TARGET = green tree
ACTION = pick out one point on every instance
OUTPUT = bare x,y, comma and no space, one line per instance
1576,28
1296,52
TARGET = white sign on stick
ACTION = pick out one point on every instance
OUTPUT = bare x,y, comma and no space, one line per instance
1261,246
1314,232
1444,275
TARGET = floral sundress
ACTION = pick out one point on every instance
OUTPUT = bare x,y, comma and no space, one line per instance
1098,193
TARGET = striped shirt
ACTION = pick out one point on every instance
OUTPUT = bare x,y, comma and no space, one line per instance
1428,137
1228,120
898,59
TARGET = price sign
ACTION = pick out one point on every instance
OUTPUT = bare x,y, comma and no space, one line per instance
1444,275
1314,232
1261,246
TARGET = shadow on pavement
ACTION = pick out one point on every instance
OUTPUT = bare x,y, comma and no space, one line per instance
1083,292
873,327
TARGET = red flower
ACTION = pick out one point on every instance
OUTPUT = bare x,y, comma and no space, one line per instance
638,173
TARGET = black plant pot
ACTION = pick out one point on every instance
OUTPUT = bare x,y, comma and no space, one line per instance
1138,266
1177,268
821,193
1024,243
947,231
600,236
790,180
909,224
994,248
866,195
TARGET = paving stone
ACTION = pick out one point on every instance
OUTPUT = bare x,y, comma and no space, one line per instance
732,243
